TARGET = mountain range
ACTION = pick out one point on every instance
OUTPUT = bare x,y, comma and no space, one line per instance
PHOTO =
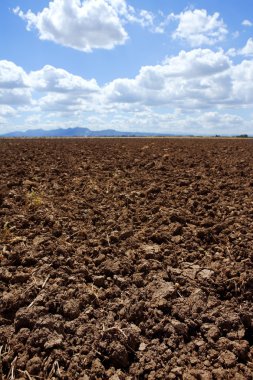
78,132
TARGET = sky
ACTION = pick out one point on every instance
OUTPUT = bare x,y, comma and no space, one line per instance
167,66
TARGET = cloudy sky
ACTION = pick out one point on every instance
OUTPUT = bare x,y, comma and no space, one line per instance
171,66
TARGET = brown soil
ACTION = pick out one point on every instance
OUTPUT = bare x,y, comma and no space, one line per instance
126,259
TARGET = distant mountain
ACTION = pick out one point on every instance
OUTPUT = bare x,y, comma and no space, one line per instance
78,132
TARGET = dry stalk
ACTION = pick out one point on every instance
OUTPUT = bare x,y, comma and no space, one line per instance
114,329
229,253
42,286
11,374
55,370
46,280
32,303
93,291
26,373
1,364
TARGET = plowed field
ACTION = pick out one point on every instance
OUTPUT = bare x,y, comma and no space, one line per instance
126,259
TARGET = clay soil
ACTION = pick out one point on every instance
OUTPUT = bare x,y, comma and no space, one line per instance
126,259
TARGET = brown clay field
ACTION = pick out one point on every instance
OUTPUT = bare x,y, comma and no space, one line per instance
126,259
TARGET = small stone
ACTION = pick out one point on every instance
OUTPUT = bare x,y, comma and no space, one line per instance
142,347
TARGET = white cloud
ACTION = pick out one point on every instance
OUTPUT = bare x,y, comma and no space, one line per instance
6,110
65,103
86,25
198,28
248,48
6,114
14,84
197,62
51,79
16,97
242,76
224,121
247,23
63,92
197,78
194,80
148,120
12,76
196,88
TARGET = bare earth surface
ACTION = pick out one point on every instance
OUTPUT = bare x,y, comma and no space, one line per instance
126,259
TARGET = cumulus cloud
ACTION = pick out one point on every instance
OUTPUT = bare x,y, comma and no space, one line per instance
63,92
242,76
14,85
60,86
196,82
6,110
191,79
129,14
247,50
15,97
84,26
198,79
198,28
197,62
12,76
206,123
247,23
59,103
6,114
51,79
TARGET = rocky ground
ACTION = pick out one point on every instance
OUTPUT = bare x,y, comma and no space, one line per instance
126,259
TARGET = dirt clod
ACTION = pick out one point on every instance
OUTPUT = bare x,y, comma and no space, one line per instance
126,259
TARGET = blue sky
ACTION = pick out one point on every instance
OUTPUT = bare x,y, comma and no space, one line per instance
165,66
